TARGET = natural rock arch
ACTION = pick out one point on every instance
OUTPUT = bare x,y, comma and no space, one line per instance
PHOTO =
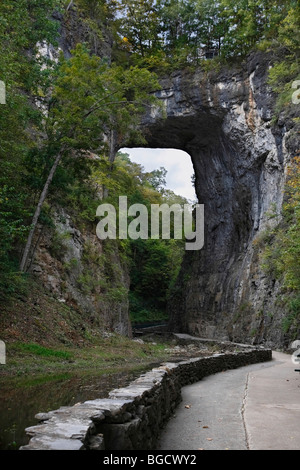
223,121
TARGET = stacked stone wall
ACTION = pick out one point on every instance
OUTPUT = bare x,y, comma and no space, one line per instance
133,417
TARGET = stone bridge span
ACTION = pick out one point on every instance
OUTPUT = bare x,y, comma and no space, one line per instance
223,121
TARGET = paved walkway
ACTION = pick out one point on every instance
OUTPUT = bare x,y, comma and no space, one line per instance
251,408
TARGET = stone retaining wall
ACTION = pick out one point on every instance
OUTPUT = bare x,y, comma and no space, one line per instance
133,417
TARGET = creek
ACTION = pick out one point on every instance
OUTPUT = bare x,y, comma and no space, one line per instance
20,404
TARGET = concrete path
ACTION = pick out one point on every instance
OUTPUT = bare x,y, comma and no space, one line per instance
252,408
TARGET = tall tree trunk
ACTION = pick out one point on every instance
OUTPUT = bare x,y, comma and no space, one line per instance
37,213
70,5
112,145
111,156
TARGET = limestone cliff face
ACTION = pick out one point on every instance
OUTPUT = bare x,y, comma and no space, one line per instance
80,271
223,121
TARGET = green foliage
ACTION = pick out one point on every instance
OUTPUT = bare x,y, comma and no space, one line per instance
90,98
23,25
58,246
281,253
286,70
154,264
141,25
176,33
116,294
292,318
96,15
39,350
68,119
144,311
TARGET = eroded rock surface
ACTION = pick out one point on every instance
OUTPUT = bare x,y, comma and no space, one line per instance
223,121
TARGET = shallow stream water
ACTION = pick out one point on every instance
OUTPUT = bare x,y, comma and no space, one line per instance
19,405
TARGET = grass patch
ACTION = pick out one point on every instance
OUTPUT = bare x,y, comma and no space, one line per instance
39,350
114,353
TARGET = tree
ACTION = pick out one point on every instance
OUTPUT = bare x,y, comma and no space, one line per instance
89,100
290,255
286,70
249,22
157,178
140,24
24,25
181,31
153,263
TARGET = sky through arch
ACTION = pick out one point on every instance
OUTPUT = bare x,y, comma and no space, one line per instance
177,163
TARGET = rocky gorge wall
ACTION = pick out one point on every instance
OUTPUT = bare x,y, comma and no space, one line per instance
223,120
72,264
80,271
